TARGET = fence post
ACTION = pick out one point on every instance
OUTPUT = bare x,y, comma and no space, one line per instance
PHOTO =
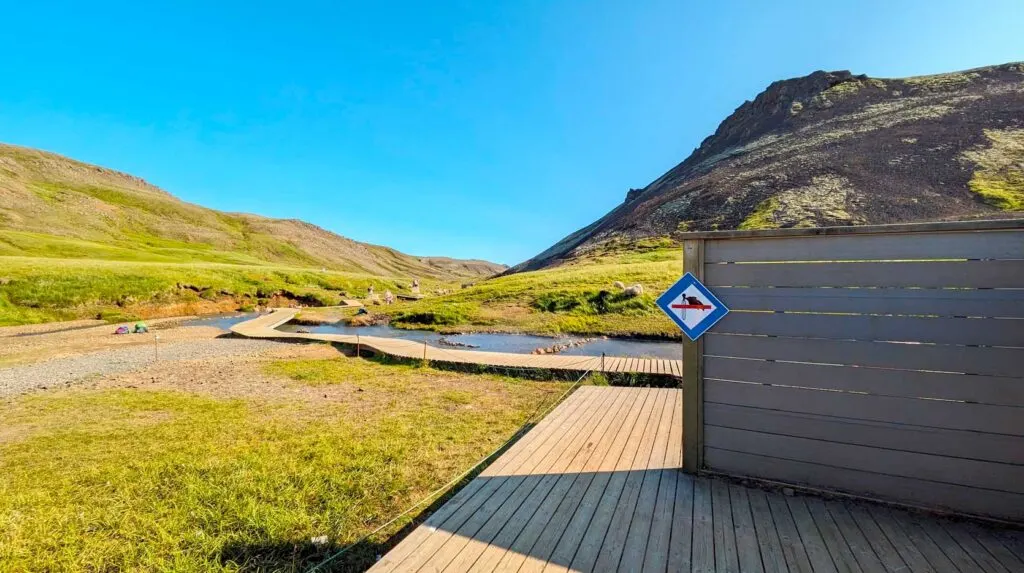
693,373
359,346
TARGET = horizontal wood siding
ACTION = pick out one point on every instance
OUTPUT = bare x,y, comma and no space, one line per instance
918,274
992,303
887,487
996,390
887,365
963,331
1003,245
970,359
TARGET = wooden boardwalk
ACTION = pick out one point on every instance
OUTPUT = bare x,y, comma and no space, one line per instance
595,486
264,327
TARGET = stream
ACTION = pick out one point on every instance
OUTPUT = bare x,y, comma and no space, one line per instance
483,341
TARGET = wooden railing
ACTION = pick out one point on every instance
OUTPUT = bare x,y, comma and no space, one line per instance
884,361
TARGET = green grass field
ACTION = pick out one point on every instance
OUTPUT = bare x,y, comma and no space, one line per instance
137,480
39,289
564,299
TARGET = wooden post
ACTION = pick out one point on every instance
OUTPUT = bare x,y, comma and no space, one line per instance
358,346
424,349
602,362
693,373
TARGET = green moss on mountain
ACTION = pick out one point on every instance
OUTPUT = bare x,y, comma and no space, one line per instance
999,174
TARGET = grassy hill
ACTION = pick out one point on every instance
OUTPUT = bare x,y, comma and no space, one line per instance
78,240
578,297
52,206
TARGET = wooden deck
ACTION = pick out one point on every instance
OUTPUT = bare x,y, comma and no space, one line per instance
264,327
595,486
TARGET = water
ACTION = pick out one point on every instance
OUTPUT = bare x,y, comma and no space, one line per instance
514,343
221,321
628,347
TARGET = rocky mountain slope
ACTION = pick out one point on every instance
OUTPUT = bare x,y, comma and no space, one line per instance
58,207
834,148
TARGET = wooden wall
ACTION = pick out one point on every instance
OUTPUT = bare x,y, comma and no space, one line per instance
886,364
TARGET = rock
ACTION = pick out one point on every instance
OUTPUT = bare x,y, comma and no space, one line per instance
632,194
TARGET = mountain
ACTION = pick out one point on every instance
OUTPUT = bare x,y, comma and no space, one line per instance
53,206
833,148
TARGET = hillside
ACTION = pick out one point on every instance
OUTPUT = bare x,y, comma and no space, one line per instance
834,148
52,206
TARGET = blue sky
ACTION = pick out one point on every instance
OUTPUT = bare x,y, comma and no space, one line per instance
482,129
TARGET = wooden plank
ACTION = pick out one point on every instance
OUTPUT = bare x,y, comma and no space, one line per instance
1014,541
842,555
693,374
615,539
471,497
471,540
658,546
572,536
767,534
974,331
922,274
890,558
971,360
497,489
746,536
1005,303
949,245
937,414
792,547
703,542
693,405
994,545
971,473
640,526
950,548
941,442
858,544
962,499
907,550
680,547
896,228
533,545
726,558
814,544
519,533
593,538
920,539
899,383
985,560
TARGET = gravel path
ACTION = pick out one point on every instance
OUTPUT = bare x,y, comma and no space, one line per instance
66,371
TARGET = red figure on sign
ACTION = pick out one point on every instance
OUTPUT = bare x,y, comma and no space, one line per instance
694,303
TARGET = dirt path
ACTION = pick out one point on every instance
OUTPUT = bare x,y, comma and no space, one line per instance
64,354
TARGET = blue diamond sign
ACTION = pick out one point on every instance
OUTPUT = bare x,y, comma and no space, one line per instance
692,306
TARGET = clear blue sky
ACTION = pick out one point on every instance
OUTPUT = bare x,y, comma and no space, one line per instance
477,128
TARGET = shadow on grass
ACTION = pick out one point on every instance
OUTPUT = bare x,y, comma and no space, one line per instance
308,557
